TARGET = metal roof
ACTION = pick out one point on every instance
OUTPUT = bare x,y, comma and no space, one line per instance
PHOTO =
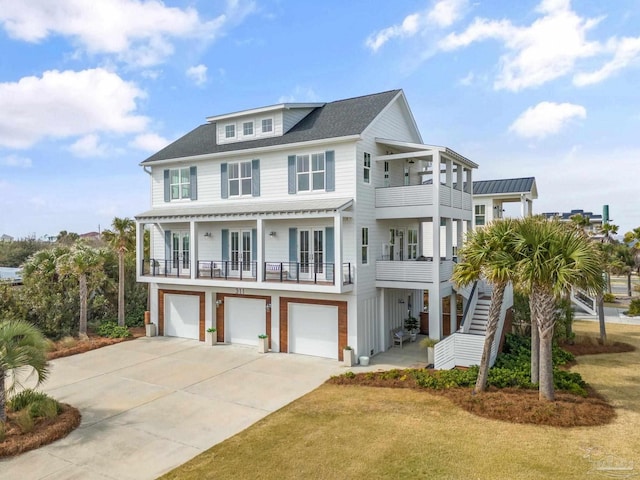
507,185
335,119
249,208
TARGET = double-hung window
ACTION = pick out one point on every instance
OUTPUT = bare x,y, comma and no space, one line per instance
310,170
480,215
247,129
230,131
180,183
239,179
365,245
267,125
367,168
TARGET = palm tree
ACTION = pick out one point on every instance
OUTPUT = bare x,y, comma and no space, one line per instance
580,222
21,346
608,230
82,262
122,239
488,253
552,258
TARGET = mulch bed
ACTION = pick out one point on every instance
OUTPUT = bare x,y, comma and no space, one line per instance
92,343
513,405
45,431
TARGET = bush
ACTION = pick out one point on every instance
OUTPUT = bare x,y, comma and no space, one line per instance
441,379
634,308
68,342
22,400
112,330
45,408
25,421
504,378
609,298
3,431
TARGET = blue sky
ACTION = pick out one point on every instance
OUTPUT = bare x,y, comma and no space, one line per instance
529,88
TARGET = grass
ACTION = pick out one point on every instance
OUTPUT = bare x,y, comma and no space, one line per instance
357,432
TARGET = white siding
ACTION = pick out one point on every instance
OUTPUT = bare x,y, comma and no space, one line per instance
293,116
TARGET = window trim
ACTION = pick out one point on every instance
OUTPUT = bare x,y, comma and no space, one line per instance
365,246
182,182
477,214
366,173
240,178
310,173
262,122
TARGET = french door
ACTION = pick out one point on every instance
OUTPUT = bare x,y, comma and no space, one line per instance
241,251
311,253
180,250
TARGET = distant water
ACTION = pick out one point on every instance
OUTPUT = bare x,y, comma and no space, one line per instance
9,272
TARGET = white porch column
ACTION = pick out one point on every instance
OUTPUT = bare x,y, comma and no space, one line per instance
337,246
139,248
448,238
435,301
523,206
453,319
260,252
193,252
459,176
384,331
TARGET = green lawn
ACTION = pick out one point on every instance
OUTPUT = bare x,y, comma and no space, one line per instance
355,432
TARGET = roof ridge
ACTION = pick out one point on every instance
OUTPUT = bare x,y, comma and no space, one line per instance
363,96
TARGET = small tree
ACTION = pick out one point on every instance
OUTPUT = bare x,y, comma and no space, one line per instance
22,346
82,262
122,239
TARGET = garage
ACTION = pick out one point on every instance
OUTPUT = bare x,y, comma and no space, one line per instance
181,316
245,319
313,329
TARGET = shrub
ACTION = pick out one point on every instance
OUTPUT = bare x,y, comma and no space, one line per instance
441,379
634,307
3,431
609,298
112,330
349,375
569,381
68,342
504,377
45,408
25,421
22,400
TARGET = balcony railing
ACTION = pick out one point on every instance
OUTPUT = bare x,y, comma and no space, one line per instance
419,270
306,272
166,268
227,269
283,272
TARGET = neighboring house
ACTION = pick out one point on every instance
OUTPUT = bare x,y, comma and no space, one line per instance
489,197
314,223
595,220
6,238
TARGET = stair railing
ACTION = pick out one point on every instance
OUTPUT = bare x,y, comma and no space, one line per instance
469,307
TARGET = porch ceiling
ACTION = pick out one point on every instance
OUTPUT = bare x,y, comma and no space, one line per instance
421,150
249,209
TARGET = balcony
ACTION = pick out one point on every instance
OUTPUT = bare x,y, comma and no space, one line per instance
413,201
271,272
412,271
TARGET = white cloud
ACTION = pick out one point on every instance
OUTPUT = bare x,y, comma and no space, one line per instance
198,74
88,146
546,118
67,104
442,14
15,161
299,94
625,51
543,51
150,142
138,32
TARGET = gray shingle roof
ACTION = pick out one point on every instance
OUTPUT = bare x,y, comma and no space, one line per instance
334,119
508,185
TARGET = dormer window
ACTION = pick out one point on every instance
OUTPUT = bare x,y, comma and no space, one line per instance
267,125
247,129
230,131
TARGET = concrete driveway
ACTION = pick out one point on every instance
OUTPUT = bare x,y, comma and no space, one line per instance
151,404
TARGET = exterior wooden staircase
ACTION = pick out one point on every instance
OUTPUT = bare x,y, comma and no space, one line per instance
463,348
